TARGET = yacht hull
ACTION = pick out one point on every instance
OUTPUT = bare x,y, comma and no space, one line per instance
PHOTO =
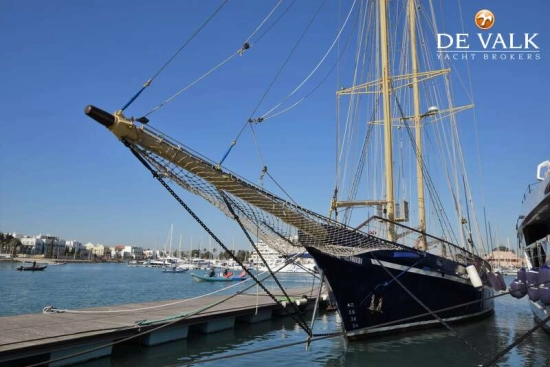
540,312
371,302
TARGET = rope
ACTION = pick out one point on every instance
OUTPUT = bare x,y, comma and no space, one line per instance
300,322
318,64
280,187
385,284
245,47
148,82
444,323
240,51
281,68
253,351
516,342
52,309
265,20
265,117
130,337
441,214
149,331
314,337
273,24
201,223
250,119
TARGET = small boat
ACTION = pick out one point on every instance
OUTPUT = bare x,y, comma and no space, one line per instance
58,263
206,278
174,270
32,268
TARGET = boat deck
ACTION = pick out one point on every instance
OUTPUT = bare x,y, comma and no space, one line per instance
36,338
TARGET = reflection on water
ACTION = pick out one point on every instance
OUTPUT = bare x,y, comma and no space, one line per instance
436,347
77,286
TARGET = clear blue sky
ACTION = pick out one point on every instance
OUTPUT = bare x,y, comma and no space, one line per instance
62,174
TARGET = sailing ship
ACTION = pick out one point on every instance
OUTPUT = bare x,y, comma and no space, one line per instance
395,268
533,228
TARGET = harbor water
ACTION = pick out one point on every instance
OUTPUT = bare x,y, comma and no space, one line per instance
277,342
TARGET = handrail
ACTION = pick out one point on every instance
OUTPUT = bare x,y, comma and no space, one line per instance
528,190
374,217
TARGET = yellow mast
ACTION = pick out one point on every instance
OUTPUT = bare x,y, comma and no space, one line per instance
417,119
386,95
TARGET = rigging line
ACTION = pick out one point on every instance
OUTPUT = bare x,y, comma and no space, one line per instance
189,40
349,132
287,60
273,24
320,83
454,133
238,52
300,321
245,47
319,64
438,135
478,151
250,119
280,187
385,283
429,183
515,343
212,235
256,144
360,167
265,20
441,310
436,316
148,82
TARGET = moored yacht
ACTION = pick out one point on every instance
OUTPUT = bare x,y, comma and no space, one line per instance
281,261
534,239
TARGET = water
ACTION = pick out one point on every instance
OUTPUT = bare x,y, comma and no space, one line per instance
90,285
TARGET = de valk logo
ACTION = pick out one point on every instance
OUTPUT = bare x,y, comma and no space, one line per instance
485,19
487,45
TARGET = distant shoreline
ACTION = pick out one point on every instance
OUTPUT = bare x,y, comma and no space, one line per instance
50,261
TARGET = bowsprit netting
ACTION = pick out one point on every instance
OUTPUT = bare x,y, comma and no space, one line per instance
282,225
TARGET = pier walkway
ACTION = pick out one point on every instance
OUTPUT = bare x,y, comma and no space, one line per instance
38,338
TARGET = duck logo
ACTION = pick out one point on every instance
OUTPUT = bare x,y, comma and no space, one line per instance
485,19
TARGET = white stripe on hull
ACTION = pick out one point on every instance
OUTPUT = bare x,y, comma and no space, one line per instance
430,273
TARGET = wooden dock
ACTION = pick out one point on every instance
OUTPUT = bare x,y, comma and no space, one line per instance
88,334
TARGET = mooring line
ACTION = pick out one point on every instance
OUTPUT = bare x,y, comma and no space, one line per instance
515,343
315,336
140,333
436,316
158,177
253,351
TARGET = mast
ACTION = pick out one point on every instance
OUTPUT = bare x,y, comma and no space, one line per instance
417,120
386,95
